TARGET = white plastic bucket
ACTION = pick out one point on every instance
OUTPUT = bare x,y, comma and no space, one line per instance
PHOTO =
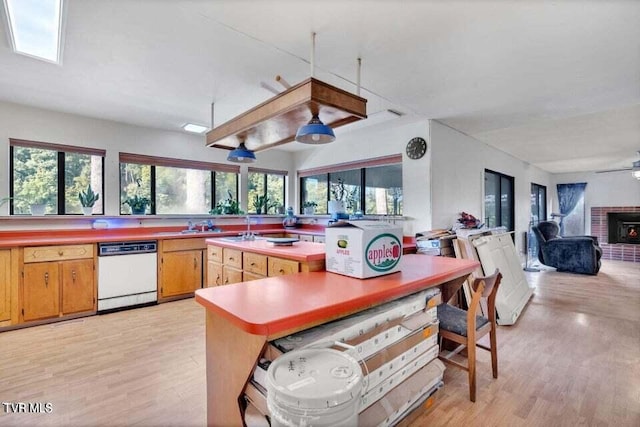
314,388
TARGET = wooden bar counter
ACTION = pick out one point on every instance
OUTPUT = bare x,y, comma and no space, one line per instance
243,317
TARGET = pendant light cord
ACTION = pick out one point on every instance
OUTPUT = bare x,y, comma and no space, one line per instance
281,50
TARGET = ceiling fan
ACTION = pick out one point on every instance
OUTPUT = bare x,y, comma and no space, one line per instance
635,169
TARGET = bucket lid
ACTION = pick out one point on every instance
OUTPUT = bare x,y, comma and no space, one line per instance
314,379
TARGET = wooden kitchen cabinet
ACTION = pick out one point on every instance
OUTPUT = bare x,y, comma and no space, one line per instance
181,267
230,275
305,237
57,281
281,267
233,265
78,287
5,285
41,291
182,272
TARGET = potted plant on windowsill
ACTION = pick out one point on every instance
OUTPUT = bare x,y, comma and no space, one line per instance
261,204
309,207
88,199
137,204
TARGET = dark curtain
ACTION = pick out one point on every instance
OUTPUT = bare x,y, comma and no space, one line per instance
569,195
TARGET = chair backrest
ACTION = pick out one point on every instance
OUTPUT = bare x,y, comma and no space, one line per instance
548,229
484,287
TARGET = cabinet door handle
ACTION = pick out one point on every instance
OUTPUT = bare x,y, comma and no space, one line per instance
281,271
195,263
230,258
218,279
46,280
73,276
253,264
226,281
60,253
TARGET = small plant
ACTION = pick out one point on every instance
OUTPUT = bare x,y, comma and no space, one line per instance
88,198
261,203
309,204
338,190
228,206
137,204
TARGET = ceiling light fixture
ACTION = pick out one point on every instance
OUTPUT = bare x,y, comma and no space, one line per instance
190,127
241,155
314,132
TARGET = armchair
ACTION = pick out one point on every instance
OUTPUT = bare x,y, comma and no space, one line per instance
576,254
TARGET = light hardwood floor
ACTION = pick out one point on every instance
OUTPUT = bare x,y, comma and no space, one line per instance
573,358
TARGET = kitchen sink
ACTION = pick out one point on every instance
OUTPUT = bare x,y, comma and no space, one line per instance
240,238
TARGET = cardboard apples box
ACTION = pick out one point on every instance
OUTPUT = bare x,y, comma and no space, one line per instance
363,249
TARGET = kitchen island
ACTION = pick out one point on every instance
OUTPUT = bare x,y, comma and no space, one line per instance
242,318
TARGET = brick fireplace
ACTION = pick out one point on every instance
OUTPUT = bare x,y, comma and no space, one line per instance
600,228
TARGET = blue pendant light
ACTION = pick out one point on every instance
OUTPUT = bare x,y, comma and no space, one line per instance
241,155
315,132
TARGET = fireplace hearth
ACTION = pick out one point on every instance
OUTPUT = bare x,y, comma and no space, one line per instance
624,227
600,227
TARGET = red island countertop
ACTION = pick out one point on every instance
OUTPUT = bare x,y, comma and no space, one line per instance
276,304
298,251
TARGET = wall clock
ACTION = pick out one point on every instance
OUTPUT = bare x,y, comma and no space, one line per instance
416,148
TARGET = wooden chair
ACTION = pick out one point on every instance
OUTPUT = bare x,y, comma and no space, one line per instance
466,328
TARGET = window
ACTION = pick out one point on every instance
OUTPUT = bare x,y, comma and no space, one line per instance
383,190
498,200
176,186
269,183
538,202
35,27
314,189
53,175
381,179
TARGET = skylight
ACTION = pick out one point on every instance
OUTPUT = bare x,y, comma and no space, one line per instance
190,127
35,27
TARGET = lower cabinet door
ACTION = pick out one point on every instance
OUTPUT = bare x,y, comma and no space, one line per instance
231,275
78,286
5,285
214,273
181,272
40,291
247,276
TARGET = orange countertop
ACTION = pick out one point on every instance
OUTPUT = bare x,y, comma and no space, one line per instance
16,238
299,251
276,304
65,237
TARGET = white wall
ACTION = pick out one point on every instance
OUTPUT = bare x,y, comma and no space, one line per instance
23,122
383,140
603,189
458,164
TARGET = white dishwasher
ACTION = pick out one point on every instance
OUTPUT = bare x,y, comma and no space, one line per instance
127,274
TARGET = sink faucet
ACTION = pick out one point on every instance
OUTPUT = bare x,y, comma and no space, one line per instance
248,235
190,226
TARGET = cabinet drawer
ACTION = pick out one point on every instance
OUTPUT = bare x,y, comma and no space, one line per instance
214,253
280,267
319,239
172,245
247,276
57,253
232,258
305,238
231,275
255,263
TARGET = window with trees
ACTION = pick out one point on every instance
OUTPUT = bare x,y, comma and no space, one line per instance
266,191
53,175
499,204
174,186
372,186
